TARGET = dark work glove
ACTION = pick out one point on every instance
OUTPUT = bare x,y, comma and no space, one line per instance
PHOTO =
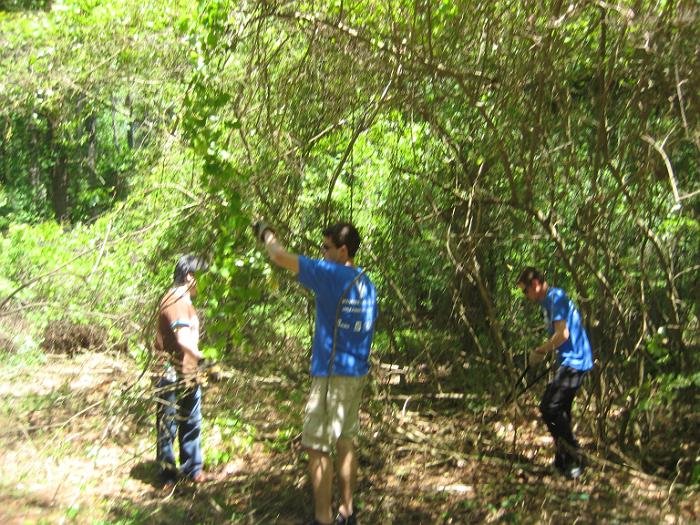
259,229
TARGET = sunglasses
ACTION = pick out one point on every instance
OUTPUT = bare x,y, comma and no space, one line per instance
325,247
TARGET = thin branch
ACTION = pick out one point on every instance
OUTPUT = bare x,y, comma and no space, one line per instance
366,121
680,101
659,147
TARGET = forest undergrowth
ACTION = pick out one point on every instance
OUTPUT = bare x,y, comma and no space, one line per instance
78,447
465,140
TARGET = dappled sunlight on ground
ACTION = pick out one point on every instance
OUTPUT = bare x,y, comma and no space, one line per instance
78,447
83,372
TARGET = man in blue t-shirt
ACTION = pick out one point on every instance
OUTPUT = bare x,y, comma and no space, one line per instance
346,310
567,336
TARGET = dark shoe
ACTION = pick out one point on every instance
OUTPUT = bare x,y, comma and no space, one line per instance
342,520
167,488
167,479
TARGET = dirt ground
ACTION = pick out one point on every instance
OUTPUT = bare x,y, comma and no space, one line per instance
78,445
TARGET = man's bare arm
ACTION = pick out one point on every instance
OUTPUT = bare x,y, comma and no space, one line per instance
278,254
559,337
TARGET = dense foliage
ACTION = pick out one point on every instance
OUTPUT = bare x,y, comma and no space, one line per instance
466,139
469,140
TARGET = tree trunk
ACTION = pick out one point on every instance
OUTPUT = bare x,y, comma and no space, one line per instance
132,124
34,171
59,176
3,152
91,129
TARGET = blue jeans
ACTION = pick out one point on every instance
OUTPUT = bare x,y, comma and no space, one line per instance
179,412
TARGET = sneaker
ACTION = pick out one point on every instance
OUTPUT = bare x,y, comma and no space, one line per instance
167,487
573,472
167,480
342,520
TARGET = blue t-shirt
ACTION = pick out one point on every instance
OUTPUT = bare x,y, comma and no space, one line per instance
575,352
358,312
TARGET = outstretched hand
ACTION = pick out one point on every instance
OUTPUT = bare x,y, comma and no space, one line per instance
259,229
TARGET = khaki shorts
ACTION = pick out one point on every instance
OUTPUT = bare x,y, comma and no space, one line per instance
328,418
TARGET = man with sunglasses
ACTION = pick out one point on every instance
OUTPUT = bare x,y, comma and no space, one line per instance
568,337
346,310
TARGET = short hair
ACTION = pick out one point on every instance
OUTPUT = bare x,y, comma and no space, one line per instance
188,264
344,233
528,275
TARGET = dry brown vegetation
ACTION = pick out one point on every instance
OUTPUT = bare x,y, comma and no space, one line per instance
77,443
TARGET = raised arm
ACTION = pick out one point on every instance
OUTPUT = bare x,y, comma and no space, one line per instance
278,254
275,251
